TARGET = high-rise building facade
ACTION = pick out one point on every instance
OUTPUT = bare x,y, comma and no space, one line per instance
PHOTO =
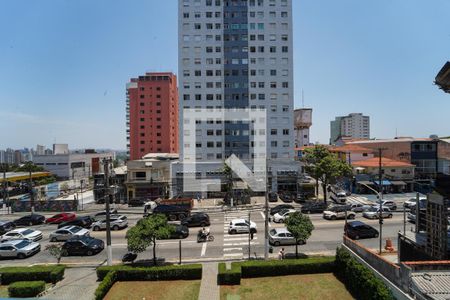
355,125
152,115
237,54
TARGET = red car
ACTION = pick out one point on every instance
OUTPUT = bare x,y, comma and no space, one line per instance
62,217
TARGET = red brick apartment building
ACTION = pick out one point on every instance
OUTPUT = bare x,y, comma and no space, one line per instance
152,115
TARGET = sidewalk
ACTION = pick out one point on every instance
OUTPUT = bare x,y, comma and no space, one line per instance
209,290
78,284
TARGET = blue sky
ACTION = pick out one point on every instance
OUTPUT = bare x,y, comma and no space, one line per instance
64,65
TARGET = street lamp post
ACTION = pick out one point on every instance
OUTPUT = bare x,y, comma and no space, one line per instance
380,196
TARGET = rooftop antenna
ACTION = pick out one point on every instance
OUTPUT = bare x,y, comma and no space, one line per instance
303,99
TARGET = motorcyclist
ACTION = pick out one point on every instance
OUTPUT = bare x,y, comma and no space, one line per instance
203,233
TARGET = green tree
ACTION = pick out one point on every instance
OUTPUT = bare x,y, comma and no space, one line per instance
146,232
56,250
300,226
325,166
29,166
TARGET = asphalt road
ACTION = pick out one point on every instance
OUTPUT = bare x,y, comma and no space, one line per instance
326,236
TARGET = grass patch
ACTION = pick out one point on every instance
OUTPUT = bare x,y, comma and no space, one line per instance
3,291
155,290
313,286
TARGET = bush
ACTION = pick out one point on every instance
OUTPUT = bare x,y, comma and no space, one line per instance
25,289
358,279
229,277
287,267
50,274
173,272
105,285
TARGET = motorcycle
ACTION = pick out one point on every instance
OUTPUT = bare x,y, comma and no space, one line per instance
129,257
201,238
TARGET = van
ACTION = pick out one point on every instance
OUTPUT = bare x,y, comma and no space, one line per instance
338,196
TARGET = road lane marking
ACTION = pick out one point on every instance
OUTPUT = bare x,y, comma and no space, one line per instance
240,244
264,218
233,254
232,249
204,249
238,239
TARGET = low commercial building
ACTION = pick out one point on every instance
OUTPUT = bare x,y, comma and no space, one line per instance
353,153
73,165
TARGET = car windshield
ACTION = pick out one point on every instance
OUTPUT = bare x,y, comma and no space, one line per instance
373,209
23,244
283,211
28,231
75,229
273,232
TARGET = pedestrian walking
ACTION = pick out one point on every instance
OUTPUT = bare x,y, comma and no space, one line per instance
281,254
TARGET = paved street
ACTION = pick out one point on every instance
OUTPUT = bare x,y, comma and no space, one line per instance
325,238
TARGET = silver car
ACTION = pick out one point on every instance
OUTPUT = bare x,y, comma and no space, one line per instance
282,236
116,222
18,249
374,212
22,234
67,232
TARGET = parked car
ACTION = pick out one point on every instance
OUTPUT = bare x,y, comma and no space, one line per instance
67,232
116,222
287,197
390,204
336,212
196,220
22,234
172,212
413,202
357,230
411,217
280,207
83,245
358,207
273,197
6,226
30,220
281,216
102,215
313,207
241,226
179,232
282,236
62,217
374,212
84,221
19,249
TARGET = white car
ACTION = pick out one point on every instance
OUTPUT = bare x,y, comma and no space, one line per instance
412,202
22,234
19,248
67,232
374,212
241,226
116,222
391,204
334,214
281,216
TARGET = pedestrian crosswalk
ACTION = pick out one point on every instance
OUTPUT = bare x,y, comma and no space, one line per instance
236,245
358,200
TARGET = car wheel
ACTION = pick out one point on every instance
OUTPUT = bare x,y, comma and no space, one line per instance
308,212
333,218
356,237
301,242
31,223
172,217
233,231
89,253
253,231
181,216
21,256
276,243
53,240
376,235
115,227
390,216
351,217
203,224
96,228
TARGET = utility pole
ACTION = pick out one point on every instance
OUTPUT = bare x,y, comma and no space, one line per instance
249,234
81,188
380,196
106,163
5,187
266,216
31,192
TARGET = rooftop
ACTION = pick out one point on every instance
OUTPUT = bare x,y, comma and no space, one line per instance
385,162
351,148
395,140
433,284
443,78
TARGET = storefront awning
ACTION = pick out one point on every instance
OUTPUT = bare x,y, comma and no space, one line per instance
398,182
383,182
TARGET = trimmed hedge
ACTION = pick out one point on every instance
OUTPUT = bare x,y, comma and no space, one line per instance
25,289
49,274
172,272
358,279
105,285
229,277
311,265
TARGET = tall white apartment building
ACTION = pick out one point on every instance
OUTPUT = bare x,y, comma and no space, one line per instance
355,125
237,54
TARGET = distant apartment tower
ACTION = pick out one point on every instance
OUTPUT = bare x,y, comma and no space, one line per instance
237,54
40,150
355,125
302,123
152,115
